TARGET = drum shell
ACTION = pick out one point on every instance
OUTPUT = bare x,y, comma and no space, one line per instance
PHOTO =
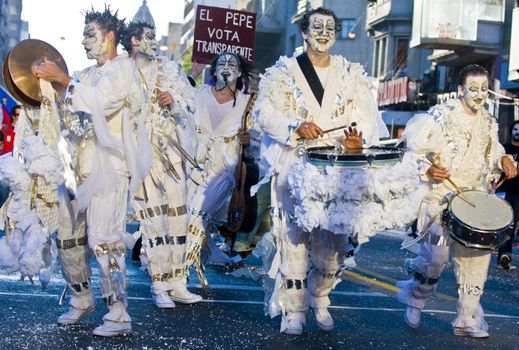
476,238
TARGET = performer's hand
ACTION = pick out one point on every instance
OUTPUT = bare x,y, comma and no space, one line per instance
244,137
438,173
353,139
164,99
509,167
197,69
309,131
50,71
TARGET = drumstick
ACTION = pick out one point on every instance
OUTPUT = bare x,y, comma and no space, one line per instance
460,192
500,183
329,130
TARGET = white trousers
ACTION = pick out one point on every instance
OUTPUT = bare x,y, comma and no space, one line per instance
470,267
163,223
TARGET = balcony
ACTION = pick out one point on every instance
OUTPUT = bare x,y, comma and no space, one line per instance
378,11
457,24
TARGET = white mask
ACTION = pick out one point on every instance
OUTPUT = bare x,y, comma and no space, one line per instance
475,92
227,69
515,132
95,41
320,35
148,44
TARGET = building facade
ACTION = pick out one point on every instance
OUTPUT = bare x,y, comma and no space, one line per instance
12,28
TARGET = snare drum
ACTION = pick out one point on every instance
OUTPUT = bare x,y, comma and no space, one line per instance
485,226
373,156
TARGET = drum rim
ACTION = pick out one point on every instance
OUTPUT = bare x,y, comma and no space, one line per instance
471,228
355,157
468,244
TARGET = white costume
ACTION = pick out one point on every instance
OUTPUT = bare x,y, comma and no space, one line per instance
285,101
161,204
217,152
469,148
104,105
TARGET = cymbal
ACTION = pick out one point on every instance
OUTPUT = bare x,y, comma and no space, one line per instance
9,82
22,61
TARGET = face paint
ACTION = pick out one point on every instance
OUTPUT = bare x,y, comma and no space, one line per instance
148,44
475,92
227,69
320,36
94,41
515,133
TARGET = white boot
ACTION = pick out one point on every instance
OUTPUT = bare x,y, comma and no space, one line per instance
293,323
163,301
323,319
412,316
180,294
80,307
74,315
113,329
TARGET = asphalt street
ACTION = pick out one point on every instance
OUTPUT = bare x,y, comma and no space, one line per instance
366,312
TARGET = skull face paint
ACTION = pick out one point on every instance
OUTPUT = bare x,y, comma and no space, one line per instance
320,35
475,92
148,44
94,41
227,69
515,133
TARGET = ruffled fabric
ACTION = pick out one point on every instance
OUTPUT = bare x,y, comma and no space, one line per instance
358,202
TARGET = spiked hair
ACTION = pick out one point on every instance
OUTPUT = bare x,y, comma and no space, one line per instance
134,29
107,20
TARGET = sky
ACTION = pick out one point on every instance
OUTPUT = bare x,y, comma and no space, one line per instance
61,23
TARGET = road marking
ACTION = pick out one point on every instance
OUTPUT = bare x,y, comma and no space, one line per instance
252,302
384,285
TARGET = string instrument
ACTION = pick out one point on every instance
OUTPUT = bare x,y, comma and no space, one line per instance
242,211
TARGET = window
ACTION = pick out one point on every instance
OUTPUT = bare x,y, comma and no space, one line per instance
348,27
380,57
491,10
400,60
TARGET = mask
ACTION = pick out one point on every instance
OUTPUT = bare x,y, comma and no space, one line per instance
94,41
227,69
515,133
320,35
148,44
475,92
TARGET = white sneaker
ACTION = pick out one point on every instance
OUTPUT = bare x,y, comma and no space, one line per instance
323,319
113,329
472,332
163,301
412,316
294,324
182,295
74,315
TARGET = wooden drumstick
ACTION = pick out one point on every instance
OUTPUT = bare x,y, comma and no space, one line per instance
435,161
329,130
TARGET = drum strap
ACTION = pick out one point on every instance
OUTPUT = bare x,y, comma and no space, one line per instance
311,76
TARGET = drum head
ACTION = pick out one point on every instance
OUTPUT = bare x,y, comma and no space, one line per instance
373,156
490,213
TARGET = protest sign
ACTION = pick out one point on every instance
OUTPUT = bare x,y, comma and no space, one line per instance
218,29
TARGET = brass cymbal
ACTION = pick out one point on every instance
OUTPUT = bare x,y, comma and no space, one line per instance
22,61
9,82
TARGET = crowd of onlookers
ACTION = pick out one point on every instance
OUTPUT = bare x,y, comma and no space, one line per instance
7,131
7,135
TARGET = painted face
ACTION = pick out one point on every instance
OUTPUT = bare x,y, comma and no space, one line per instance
320,36
148,45
227,68
94,41
475,91
515,132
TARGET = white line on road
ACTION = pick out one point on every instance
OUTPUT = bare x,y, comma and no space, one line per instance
61,283
251,302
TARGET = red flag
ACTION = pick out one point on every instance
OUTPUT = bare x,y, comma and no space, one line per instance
8,131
